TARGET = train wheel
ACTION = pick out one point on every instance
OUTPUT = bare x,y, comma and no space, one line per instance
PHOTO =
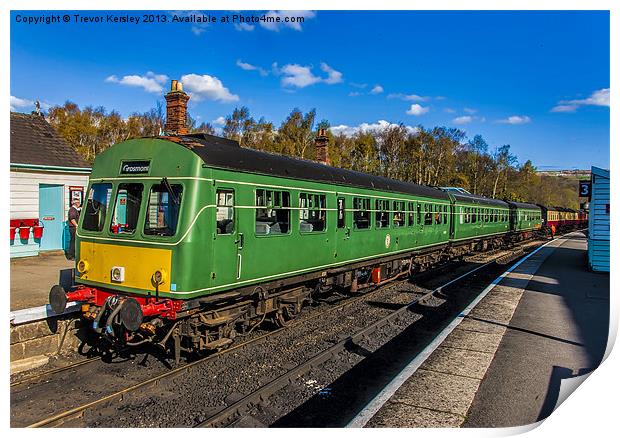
285,315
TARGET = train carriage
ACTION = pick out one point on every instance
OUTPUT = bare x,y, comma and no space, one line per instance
191,239
173,225
525,219
477,217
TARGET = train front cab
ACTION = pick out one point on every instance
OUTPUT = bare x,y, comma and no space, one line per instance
132,234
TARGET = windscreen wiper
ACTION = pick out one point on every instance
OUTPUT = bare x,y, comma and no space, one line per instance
166,184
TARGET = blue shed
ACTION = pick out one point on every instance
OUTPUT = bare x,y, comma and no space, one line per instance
599,223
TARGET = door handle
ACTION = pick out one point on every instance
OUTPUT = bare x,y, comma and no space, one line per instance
239,241
347,233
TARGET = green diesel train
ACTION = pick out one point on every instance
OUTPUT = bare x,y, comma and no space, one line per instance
189,240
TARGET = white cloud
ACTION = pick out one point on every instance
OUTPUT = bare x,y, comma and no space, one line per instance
244,27
462,120
301,76
295,75
357,85
597,98
17,103
417,110
220,121
377,89
516,120
22,104
408,97
150,82
564,108
202,87
276,19
449,110
333,76
250,67
354,94
470,110
366,127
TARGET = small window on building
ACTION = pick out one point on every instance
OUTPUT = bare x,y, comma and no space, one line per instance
382,215
410,214
97,206
341,213
162,213
361,213
399,214
273,214
126,208
225,211
312,213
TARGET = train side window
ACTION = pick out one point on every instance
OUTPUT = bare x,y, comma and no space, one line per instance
273,214
126,208
474,215
97,206
399,214
361,213
445,214
410,214
419,210
162,212
225,211
428,214
437,215
382,215
312,213
341,213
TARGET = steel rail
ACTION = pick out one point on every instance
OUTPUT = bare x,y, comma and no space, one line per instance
43,375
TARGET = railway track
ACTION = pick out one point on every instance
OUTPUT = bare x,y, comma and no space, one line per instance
224,416
60,418
237,410
44,375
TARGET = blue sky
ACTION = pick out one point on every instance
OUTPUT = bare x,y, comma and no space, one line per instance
538,81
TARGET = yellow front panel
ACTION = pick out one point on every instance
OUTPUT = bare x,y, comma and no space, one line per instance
139,263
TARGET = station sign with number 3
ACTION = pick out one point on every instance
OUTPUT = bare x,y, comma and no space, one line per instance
585,189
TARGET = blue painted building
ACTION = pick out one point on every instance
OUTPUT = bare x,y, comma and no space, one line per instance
46,173
599,221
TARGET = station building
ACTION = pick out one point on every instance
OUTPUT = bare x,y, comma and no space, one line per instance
46,174
599,222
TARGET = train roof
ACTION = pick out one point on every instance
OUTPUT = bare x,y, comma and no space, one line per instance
224,153
477,199
556,208
524,205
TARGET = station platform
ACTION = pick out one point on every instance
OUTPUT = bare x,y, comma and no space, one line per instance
503,364
33,277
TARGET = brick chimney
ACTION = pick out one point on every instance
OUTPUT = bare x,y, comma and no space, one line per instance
320,144
176,110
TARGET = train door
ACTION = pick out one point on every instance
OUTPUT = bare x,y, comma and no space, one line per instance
452,219
344,222
227,258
